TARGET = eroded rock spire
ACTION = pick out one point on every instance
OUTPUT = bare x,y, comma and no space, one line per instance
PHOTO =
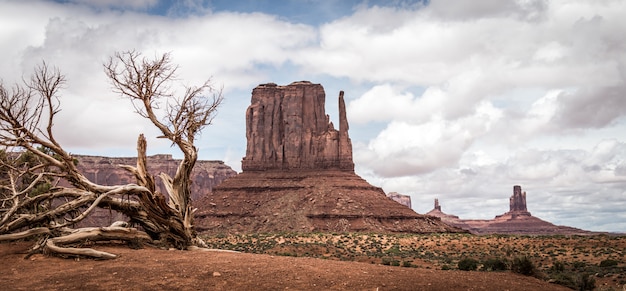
287,129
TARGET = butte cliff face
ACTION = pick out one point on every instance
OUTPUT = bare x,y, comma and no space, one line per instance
516,221
517,202
287,128
298,175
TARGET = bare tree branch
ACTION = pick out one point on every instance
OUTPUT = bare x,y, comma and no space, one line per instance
33,162
146,82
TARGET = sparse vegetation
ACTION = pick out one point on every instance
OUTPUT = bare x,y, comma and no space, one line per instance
524,266
557,259
585,282
608,263
495,264
468,264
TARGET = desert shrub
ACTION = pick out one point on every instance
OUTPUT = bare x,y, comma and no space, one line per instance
524,266
585,282
446,267
557,266
495,264
608,263
468,264
386,261
578,265
394,250
407,264
564,279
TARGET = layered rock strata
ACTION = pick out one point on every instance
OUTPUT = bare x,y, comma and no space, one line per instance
287,128
298,175
306,201
517,220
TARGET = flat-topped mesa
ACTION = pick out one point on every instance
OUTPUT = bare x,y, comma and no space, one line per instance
287,129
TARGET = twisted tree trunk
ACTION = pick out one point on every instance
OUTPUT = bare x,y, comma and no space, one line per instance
32,203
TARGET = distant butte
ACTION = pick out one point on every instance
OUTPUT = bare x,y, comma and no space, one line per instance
298,174
516,221
107,171
400,198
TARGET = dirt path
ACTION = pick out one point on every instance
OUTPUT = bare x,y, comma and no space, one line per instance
154,269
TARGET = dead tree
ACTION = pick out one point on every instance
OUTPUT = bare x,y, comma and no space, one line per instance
147,84
34,204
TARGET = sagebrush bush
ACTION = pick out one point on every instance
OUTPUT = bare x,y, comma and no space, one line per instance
564,279
558,266
523,265
468,264
407,264
608,263
495,264
586,282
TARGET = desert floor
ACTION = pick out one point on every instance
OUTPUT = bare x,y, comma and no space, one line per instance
288,262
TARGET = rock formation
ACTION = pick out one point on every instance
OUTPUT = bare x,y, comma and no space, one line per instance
306,201
516,221
447,218
517,202
400,198
298,174
105,170
287,128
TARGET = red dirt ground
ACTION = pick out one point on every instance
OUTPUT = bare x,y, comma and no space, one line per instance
155,269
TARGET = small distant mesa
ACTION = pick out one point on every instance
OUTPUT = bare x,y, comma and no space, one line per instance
517,220
400,198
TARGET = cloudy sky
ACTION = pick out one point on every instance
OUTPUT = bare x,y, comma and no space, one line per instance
456,100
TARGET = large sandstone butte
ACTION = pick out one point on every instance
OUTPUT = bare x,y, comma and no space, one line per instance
516,221
106,171
298,175
287,128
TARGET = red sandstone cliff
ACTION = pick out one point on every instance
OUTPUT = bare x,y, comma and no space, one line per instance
298,174
287,128
306,201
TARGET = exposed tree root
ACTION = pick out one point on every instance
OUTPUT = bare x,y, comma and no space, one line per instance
55,245
24,234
